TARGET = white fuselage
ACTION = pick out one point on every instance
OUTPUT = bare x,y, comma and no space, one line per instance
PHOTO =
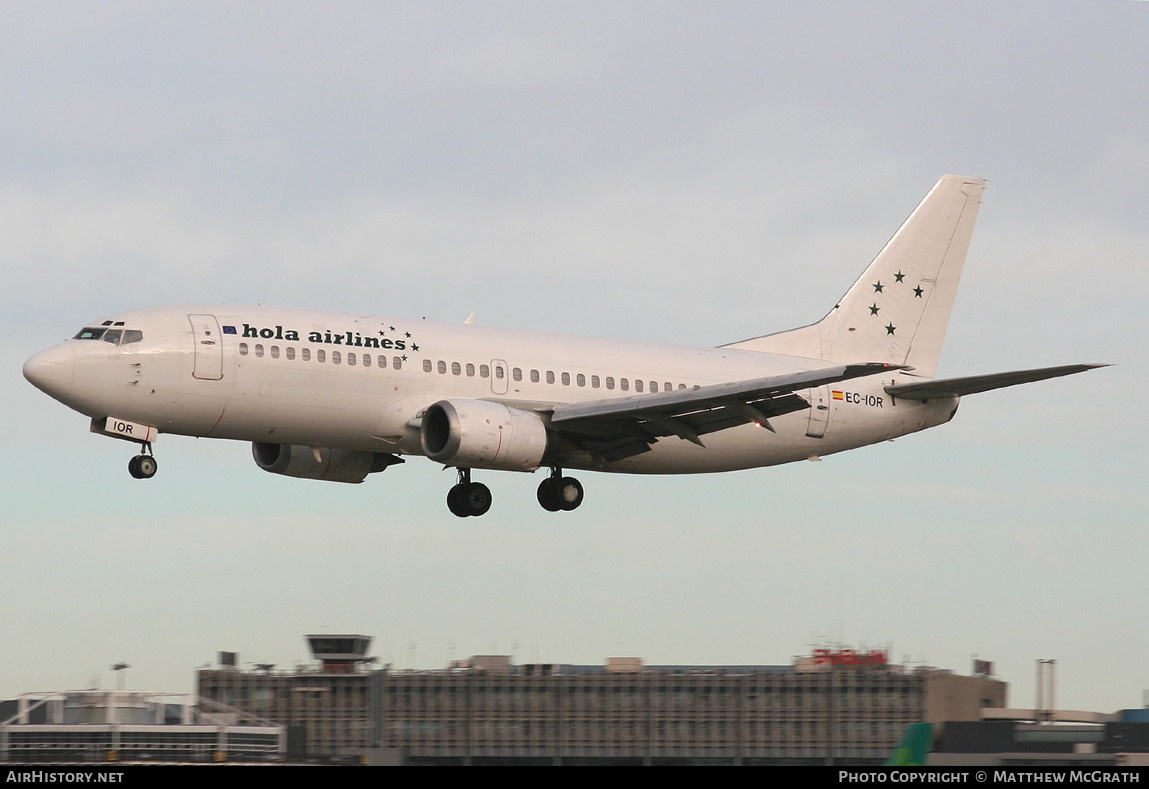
300,377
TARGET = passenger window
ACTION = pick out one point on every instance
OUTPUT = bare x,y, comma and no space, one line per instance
258,350
654,386
550,377
366,360
132,335
517,374
682,386
336,357
594,381
500,373
397,362
306,354
470,370
243,349
351,359
442,367
624,384
426,365
382,361
637,385
666,386
321,355
456,368
484,371
275,352
566,379
609,382
580,379
290,353
534,376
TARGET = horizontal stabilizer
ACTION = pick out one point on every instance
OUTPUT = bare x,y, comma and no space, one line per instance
972,384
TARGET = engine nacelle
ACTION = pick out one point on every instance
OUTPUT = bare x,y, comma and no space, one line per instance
482,434
333,465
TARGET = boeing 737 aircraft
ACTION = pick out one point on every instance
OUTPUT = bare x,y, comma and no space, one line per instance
336,397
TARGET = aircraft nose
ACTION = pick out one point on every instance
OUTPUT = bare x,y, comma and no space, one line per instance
52,371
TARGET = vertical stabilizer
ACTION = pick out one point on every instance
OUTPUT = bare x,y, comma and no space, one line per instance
898,310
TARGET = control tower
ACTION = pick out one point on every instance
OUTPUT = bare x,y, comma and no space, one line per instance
339,654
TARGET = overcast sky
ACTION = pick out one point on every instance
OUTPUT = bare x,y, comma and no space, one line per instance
694,173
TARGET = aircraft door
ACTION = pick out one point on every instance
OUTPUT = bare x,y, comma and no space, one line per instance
819,411
208,362
499,382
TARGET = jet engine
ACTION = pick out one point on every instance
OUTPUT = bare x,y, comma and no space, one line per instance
334,465
482,434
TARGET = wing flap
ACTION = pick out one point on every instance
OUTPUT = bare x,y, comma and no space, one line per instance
702,398
972,384
625,426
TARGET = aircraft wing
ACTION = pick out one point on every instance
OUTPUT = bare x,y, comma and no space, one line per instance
621,427
972,384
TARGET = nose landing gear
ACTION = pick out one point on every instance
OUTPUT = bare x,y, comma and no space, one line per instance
144,465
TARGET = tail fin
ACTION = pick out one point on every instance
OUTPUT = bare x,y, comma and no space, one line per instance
915,744
897,312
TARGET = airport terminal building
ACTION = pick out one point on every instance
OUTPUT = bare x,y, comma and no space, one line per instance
834,706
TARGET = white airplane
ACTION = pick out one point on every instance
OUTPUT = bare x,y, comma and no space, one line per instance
336,396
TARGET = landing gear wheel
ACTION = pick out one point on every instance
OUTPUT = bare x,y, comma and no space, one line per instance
143,467
557,492
478,499
469,499
548,495
569,492
455,501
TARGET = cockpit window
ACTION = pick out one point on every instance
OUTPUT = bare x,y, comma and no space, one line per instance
114,336
90,334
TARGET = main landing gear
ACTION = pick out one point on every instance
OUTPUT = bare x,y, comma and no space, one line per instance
143,466
557,492
472,499
468,498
